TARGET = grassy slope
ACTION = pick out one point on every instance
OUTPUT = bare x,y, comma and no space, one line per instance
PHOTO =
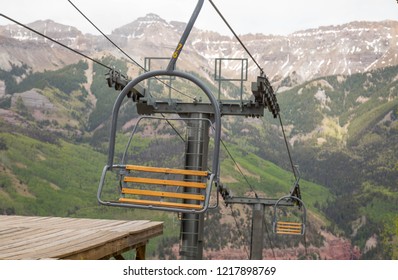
269,180
44,179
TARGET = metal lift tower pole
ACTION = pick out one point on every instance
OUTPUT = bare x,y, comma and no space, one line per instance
258,206
197,142
256,248
191,233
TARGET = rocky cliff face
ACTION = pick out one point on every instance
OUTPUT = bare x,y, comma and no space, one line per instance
22,46
344,49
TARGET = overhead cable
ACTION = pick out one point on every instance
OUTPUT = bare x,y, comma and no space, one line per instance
236,36
55,41
120,49
239,231
103,34
123,52
239,169
287,147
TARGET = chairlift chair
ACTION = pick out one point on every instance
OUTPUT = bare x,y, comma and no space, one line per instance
286,226
162,193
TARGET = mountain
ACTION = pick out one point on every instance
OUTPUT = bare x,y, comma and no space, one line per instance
344,49
338,98
36,51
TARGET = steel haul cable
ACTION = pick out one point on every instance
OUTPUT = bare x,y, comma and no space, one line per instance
236,36
135,62
124,53
103,34
55,41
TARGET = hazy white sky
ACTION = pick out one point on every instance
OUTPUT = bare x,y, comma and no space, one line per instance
279,17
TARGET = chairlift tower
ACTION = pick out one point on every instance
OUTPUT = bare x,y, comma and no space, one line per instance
197,180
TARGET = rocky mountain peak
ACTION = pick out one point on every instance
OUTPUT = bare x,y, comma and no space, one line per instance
48,27
139,26
151,17
328,50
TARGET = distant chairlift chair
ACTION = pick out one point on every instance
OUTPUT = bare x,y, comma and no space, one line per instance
287,226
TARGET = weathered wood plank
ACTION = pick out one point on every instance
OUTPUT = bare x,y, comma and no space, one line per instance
32,243
71,238
68,243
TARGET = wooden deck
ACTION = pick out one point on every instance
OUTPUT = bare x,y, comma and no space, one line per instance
71,238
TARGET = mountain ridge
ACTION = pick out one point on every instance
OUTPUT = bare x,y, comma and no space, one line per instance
337,49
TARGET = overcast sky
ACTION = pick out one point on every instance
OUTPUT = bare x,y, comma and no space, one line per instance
278,17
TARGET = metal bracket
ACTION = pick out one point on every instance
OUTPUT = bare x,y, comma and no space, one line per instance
264,94
118,81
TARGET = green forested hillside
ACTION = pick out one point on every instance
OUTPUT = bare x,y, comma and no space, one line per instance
46,179
342,132
344,135
66,79
61,179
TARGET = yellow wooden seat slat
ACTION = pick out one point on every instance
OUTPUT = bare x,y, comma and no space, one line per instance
160,203
289,223
163,194
167,170
292,228
289,227
151,181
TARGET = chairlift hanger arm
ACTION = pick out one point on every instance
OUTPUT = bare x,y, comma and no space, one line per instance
185,35
295,190
119,81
